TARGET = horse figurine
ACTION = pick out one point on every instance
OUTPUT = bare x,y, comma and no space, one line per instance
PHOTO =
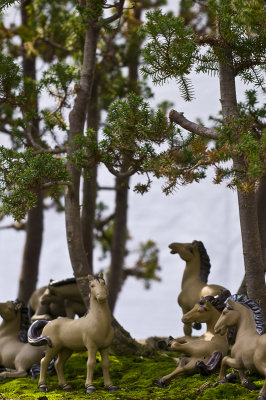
16,355
205,353
249,351
60,298
194,282
63,336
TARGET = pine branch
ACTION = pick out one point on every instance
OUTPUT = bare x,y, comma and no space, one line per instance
178,118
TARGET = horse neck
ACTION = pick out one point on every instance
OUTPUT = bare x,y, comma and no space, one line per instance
99,311
10,327
214,316
192,270
246,324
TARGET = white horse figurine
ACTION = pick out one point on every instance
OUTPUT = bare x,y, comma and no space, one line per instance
63,336
16,355
249,351
194,282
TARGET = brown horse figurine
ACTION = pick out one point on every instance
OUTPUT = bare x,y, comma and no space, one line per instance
194,283
63,336
249,351
60,298
16,355
201,354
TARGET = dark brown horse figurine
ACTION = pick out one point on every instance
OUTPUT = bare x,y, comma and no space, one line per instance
194,282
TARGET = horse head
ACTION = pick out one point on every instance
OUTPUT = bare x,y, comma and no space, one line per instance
229,317
9,309
186,250
98,288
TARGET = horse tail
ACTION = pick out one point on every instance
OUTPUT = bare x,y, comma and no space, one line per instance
35,337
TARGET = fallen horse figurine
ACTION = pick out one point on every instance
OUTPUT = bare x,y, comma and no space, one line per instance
249,351
205,353
195,277
63,336
16,355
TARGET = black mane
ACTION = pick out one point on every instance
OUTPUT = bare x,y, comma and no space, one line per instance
62,282
205,264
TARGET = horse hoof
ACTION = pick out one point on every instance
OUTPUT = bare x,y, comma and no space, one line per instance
159,383
111,388
196,325
66,387
90,389
249,385
43,388
169,340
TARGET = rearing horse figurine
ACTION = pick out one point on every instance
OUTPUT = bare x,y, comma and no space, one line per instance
194,283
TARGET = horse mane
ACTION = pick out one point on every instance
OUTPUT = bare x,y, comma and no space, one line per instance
62,282
219,301
24,321
205,264
253,307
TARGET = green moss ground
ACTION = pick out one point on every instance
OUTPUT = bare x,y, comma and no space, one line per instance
133,376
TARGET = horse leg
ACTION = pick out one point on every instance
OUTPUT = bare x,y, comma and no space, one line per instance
59,367
105,367
231,363
45,361
244,381
180,370
90,369
262,392
13,373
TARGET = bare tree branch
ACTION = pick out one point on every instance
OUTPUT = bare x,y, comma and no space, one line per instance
178,118
117,15
50,184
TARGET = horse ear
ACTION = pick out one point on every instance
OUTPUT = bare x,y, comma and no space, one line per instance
90,278
100,275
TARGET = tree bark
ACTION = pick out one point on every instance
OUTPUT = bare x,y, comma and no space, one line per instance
77,117
261,211
254,270
115,280
34,227
90,183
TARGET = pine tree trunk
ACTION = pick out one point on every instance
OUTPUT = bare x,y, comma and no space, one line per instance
34,227
90,184
254,270
118,241
77,117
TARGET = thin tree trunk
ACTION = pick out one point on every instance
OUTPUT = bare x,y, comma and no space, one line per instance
119,241
261,210
32,249
254,270
90,183
77,117
34,227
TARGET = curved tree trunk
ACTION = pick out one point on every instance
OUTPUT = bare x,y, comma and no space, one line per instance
34,227
254,270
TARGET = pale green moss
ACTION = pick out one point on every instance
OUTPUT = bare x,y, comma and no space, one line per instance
133,376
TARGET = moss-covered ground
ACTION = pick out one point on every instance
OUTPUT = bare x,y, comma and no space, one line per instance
133,376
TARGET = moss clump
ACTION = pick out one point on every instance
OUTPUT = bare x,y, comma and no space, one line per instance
133,376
